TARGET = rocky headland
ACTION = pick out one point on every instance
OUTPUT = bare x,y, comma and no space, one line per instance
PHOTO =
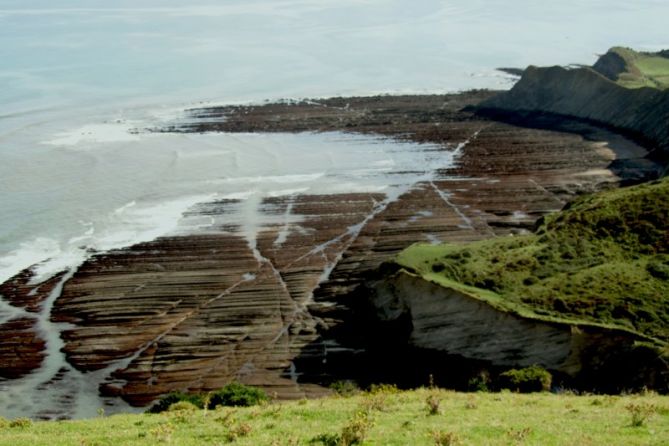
292,312
625,90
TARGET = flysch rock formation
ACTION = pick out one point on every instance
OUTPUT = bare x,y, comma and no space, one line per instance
593,95
193,312
23,346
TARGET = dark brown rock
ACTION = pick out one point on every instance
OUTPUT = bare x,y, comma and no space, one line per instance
21,350
20,292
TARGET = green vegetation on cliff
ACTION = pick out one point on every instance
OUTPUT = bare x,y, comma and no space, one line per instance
625,90
418,417
634,69
603,260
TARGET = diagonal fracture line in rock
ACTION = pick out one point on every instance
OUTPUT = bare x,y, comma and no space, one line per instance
445,198
125,362
379,207
355,230
352,233
546,191
282,235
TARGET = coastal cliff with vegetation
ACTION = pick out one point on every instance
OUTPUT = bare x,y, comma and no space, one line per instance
626,90
584,294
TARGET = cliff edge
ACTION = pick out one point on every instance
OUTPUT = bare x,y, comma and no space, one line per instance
624,90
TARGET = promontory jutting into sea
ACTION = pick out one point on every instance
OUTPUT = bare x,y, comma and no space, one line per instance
304,195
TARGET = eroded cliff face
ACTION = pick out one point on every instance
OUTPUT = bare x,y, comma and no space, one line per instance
451,321
586,94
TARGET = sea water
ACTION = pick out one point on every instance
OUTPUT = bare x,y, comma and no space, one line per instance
80,78
78,75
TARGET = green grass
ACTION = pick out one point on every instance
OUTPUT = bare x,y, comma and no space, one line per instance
393,418
643,69
603,261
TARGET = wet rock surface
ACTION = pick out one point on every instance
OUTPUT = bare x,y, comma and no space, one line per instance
21,350
21,293
193,312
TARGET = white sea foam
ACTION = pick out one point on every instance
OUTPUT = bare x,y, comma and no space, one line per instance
127,225
285,192
135,224
96,133
27,254
280,179
140,191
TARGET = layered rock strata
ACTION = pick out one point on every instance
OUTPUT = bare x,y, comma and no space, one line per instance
194,312
451,321
22,348
584,93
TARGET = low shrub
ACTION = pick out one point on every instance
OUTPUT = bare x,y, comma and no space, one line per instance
389,389
238,430
237,394
168,400
529,379
640,412
443,438
163,432
344,387
233,394
433,403
355,431
374,401
183,406
519,435
479,383
21,423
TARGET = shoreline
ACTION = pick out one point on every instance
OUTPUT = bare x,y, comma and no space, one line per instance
285,304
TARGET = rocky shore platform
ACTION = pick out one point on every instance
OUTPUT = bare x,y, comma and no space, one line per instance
193,312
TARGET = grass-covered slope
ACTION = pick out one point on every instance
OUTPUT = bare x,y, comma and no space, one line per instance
603,260
420,417
635,69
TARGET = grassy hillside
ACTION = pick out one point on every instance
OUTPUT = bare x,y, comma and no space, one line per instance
420,417
639,69
604,260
